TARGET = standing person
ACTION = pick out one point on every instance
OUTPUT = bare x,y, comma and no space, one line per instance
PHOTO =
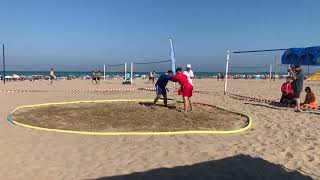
52,75
189,73
94,77
296,75
98,76
219,76
151,77
161,87
185,89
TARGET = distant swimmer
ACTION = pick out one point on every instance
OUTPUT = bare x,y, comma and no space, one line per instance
161,87
52,75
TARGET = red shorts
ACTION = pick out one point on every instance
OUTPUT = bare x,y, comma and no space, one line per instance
186,91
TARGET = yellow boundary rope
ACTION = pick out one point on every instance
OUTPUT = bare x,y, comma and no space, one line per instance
9,118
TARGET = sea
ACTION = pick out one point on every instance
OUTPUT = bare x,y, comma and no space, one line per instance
136,74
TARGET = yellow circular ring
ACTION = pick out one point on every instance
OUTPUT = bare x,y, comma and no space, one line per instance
9,118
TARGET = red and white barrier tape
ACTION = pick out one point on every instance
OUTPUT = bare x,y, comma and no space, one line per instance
251,98
112,89
18,91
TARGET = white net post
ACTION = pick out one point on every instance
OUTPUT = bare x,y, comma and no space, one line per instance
131,73
270,73
125,71
226,75
275,67
104,72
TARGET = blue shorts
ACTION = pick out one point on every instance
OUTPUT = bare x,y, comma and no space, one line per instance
161,91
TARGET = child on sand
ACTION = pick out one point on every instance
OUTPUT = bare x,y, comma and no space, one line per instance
287,92
185,89
310,101
161,87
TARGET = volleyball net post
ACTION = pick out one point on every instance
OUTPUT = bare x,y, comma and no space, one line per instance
227,70
270,72
131,72
104,72
125,71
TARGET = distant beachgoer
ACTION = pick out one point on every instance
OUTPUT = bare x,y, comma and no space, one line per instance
189,73
185,89
152,77
218,76
161,87
287,92
296,75
94,77
310,101
98,76
52,75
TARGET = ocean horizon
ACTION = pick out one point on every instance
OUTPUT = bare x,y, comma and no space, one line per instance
88,73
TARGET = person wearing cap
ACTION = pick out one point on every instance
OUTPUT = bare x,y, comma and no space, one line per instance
296,75
189,73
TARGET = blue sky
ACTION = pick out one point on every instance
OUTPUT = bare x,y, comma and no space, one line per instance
85,34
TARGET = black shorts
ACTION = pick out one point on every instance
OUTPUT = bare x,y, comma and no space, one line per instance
51,77
296,94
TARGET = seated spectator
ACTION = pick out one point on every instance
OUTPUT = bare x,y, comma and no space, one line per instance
287,92
310,101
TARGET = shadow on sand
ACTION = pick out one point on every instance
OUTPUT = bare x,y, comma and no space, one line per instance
240,167
150,104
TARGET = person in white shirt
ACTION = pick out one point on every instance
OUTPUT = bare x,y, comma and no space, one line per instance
52,75
189,73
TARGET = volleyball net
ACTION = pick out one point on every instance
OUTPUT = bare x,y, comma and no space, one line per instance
115,71
140,69
257,65
145,70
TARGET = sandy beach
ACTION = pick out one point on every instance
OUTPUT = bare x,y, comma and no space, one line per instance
281,144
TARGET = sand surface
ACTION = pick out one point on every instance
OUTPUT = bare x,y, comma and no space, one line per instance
282,144
130,117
